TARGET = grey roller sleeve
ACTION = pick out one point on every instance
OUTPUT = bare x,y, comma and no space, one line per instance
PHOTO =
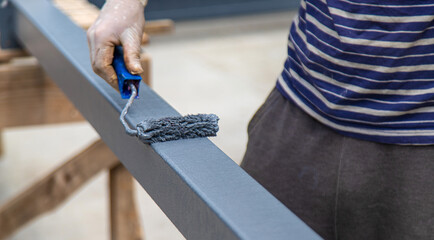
170,128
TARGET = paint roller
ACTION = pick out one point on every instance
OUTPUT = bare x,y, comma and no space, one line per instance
163,129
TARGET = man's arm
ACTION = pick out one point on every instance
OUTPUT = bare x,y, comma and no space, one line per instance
120,22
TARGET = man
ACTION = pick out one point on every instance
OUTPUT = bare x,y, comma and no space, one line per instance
345,139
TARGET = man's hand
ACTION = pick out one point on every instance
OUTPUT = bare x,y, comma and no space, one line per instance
120,22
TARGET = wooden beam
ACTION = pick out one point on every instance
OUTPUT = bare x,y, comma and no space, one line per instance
159,27
124,220
30,98
7,55
1,143
36,106
22,73
81,12
146,63
49,192
84,14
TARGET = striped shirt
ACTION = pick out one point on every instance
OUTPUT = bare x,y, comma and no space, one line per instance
364,68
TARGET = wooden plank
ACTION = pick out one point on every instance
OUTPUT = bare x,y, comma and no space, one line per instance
84,14
145,60
81,12
30,98
22,73
1,144
145,39
36,106
159,26
49,192
124,220
7,55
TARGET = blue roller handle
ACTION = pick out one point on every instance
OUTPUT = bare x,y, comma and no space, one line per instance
124,76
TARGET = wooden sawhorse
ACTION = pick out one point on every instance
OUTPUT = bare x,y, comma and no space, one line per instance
29,97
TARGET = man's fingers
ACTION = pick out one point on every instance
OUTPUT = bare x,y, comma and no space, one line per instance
131,46
103,65
110,77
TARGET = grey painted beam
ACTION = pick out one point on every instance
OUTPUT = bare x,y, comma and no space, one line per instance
204,193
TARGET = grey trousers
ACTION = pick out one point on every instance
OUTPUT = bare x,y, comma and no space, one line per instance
343,188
